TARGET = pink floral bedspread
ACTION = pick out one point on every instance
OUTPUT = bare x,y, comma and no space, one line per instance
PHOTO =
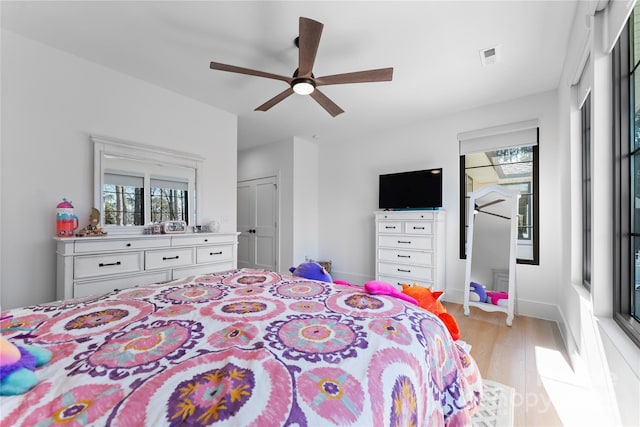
242,348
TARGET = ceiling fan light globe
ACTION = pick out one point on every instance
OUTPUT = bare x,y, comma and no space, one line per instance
303,86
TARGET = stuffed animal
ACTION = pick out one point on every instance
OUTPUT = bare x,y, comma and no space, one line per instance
311,270
495,296
17,364
477,292
344,283
384,288
430,302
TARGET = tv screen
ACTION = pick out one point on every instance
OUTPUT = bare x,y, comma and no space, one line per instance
411,190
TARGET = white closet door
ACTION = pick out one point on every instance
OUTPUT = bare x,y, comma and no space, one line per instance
257,223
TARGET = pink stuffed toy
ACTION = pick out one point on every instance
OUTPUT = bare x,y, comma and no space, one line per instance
495,296
344,283
383,288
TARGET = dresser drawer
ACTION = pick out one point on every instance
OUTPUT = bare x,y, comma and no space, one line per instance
168,258
98,287
409,271
390,227
103,265
118,245
415,227
199,239
409,257
206,254
406,242
201,270
398,281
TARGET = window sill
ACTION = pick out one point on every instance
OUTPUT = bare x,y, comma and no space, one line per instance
622,343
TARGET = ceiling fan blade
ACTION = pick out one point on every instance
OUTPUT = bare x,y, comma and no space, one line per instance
326,103
308,42
273,101
379,75
241,70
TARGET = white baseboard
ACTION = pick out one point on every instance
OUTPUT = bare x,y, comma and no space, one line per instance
524,307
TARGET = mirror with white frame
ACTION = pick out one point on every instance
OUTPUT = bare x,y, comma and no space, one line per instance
491,250
137,184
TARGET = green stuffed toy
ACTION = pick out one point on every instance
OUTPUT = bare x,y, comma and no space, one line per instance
17,364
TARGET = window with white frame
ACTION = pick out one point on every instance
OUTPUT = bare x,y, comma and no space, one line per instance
626,187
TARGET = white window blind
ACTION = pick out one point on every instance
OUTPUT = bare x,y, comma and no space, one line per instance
585,83
124,180
172,184
505,136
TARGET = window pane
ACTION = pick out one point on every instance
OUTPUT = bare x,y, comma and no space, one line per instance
168,204
123,205
635,29
635,275
635,93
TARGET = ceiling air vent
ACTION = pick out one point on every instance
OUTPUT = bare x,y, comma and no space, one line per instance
489,56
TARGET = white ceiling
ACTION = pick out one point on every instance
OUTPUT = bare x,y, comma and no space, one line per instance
434,47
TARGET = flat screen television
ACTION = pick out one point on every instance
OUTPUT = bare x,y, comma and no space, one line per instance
411,190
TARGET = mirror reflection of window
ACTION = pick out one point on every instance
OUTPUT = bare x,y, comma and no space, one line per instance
169,200
506,156
138,184
123,199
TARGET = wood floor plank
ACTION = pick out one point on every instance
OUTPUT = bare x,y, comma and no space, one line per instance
528,356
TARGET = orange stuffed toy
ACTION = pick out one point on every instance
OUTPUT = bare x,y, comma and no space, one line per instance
430,302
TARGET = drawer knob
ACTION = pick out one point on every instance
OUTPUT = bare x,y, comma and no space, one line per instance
206,240
128,245
404,271
418,228
404,256
393,227
215,253
165,258
102,264
405,241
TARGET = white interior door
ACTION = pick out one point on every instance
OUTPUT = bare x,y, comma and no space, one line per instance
257,223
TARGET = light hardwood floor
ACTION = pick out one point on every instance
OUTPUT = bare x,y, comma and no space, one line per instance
530,357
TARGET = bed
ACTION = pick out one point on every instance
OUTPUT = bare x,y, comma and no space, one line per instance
241,348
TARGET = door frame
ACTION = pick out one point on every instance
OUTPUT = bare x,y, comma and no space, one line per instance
276,177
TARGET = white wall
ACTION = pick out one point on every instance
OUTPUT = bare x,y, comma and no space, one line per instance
353,166
295,163
51,103
305,201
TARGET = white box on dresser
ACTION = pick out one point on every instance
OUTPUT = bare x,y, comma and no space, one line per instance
410,247
95,265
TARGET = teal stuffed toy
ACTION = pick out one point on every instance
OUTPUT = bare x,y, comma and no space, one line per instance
311,270
17,364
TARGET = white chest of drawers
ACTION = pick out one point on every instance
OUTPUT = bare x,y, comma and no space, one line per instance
410,248
95,265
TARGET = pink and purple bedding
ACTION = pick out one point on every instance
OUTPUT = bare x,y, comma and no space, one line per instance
242,348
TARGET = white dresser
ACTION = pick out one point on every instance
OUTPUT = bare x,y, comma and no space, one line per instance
410,248
96,265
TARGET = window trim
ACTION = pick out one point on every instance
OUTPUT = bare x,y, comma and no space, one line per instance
535,260
586,138
621,109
